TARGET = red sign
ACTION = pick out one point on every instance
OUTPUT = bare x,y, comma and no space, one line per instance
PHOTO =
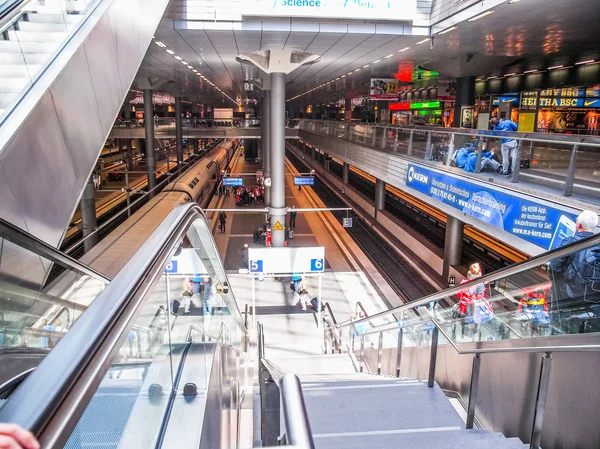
402,106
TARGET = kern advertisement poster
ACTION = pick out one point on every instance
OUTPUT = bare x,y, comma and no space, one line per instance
537,223
384,89
332,9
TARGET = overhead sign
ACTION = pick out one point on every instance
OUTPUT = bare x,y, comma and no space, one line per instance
233,182
333,9
286,260
532,221
529,101
186,262
384,89
304,180
347,222
425,105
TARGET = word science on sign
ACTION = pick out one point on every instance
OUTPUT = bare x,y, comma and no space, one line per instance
537,223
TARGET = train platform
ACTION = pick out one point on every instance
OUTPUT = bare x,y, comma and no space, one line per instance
349,275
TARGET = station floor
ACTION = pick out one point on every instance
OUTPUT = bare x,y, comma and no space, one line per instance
349,275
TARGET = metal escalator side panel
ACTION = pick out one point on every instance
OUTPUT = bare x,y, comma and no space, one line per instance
50,142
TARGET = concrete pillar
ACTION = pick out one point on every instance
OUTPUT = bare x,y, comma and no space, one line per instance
266,141
179,131
346,173
465,96
150,156
129,154
88,215
277,207
195,145
380,195
453,244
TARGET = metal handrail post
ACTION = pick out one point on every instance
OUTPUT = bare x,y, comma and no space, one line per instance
450,151
428,147
473,390
362,352
410,142
340,341
384,137
540,401
379,353
433,357
516,163
399,352
570,177
325,341
374,140
396,141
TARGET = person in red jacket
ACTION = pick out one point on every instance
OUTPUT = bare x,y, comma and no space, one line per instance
473,307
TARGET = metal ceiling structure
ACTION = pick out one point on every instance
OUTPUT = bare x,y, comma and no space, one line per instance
519,35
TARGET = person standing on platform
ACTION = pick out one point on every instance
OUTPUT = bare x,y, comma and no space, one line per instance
45,339
293,215
222,221
245,256
207,308
509,146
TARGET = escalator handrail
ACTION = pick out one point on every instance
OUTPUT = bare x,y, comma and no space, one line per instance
528,264
51,400
31,243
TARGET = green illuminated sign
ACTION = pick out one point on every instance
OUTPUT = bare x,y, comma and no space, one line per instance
425,105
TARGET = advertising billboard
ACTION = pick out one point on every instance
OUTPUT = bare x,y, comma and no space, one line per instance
383,89
535,222
332,9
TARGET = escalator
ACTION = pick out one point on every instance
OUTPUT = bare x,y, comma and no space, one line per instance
65,69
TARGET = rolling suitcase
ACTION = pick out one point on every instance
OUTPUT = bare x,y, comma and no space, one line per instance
291,234
314,302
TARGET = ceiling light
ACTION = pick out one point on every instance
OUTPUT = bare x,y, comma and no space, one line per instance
160,44
589,61
477,79
365,66
184,63
530,71
422,42
511,74
402,50
343,76
492,77
376,62
179,58
171,52
349,73
388,56
357,70
337,78
510,2
556,67
481,16
447,30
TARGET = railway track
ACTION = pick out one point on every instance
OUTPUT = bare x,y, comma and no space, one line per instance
399,274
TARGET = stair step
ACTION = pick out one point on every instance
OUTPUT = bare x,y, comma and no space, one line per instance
40,17
27,47
44,27
18,71
38,59
314,364
429,438
13,85
37,36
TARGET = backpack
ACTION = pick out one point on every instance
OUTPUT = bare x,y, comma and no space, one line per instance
585,273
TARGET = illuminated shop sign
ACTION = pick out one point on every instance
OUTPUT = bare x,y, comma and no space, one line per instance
565,92
425,105
505,99
334,9
560,102
402,106
529,101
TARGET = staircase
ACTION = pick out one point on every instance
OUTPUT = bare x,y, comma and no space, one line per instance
350,410
29,43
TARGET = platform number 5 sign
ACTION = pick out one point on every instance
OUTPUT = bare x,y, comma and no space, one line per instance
256,266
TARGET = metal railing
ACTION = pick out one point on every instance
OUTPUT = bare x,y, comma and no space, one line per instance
169,123
563,161
284,418
50,401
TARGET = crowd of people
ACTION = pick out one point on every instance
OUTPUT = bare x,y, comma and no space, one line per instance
249,195
197,293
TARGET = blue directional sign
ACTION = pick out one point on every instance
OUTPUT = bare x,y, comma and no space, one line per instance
171,267
304,180
256,266
233,182
317,265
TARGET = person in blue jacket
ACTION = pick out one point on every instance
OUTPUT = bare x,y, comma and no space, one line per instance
509,146
462,154
487,161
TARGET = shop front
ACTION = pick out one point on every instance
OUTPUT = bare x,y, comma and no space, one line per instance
422,113
569,111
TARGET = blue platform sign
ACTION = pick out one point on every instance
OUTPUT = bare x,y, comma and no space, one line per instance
534,222
171,267
233,182
317,265
304,180
256,266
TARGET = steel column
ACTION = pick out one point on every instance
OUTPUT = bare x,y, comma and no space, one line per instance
453,244
266,131
516,163
396,140
88,215
450,150
379,353
540,401
277,207
473,389
149,127
410,142
399,352
346,173
380,195
179,131
384,137
433,356
570,178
